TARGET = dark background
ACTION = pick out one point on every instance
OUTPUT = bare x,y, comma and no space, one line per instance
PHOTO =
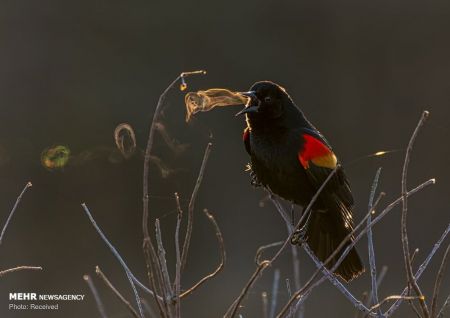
70,71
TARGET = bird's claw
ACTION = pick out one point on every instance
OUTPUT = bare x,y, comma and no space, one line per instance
254,180
299,236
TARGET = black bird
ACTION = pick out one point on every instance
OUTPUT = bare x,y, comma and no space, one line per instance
292,158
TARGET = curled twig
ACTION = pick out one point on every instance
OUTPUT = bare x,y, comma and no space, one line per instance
125,140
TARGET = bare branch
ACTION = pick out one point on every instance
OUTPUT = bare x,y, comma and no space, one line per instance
19,198
437,284
331,277
393,297
19,268
155,282
107,282
177,282
379,281
162,262
419,272
187,238
405,243
372,262
130,276
98,301
222,256
289,290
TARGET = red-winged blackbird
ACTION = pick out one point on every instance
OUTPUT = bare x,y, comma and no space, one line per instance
292,158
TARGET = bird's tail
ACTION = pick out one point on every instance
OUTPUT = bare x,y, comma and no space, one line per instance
325,232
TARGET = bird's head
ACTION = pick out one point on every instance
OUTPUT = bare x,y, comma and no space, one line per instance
266,99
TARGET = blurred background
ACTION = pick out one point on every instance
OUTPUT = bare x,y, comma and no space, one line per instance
71,71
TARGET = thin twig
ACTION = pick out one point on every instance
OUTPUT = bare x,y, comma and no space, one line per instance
444,307
437,284
413,255
177,282
365,299
405,243
393,297
19,198
372,262
222,256
296,269
274,296
261,250
108,283
187,238
419,272
116,254
148,308
19,268
265,304
98,300
289,290
379,281
163,262
155,282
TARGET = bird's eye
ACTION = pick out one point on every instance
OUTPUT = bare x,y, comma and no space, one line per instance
267,99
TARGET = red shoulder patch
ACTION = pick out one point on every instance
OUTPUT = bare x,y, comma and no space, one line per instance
316,151
246,134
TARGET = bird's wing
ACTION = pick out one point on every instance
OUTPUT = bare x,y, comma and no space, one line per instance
318,160
246,139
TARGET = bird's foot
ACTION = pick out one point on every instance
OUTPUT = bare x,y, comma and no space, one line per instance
299,236
254,180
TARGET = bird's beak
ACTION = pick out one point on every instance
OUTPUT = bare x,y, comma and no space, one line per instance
252,103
